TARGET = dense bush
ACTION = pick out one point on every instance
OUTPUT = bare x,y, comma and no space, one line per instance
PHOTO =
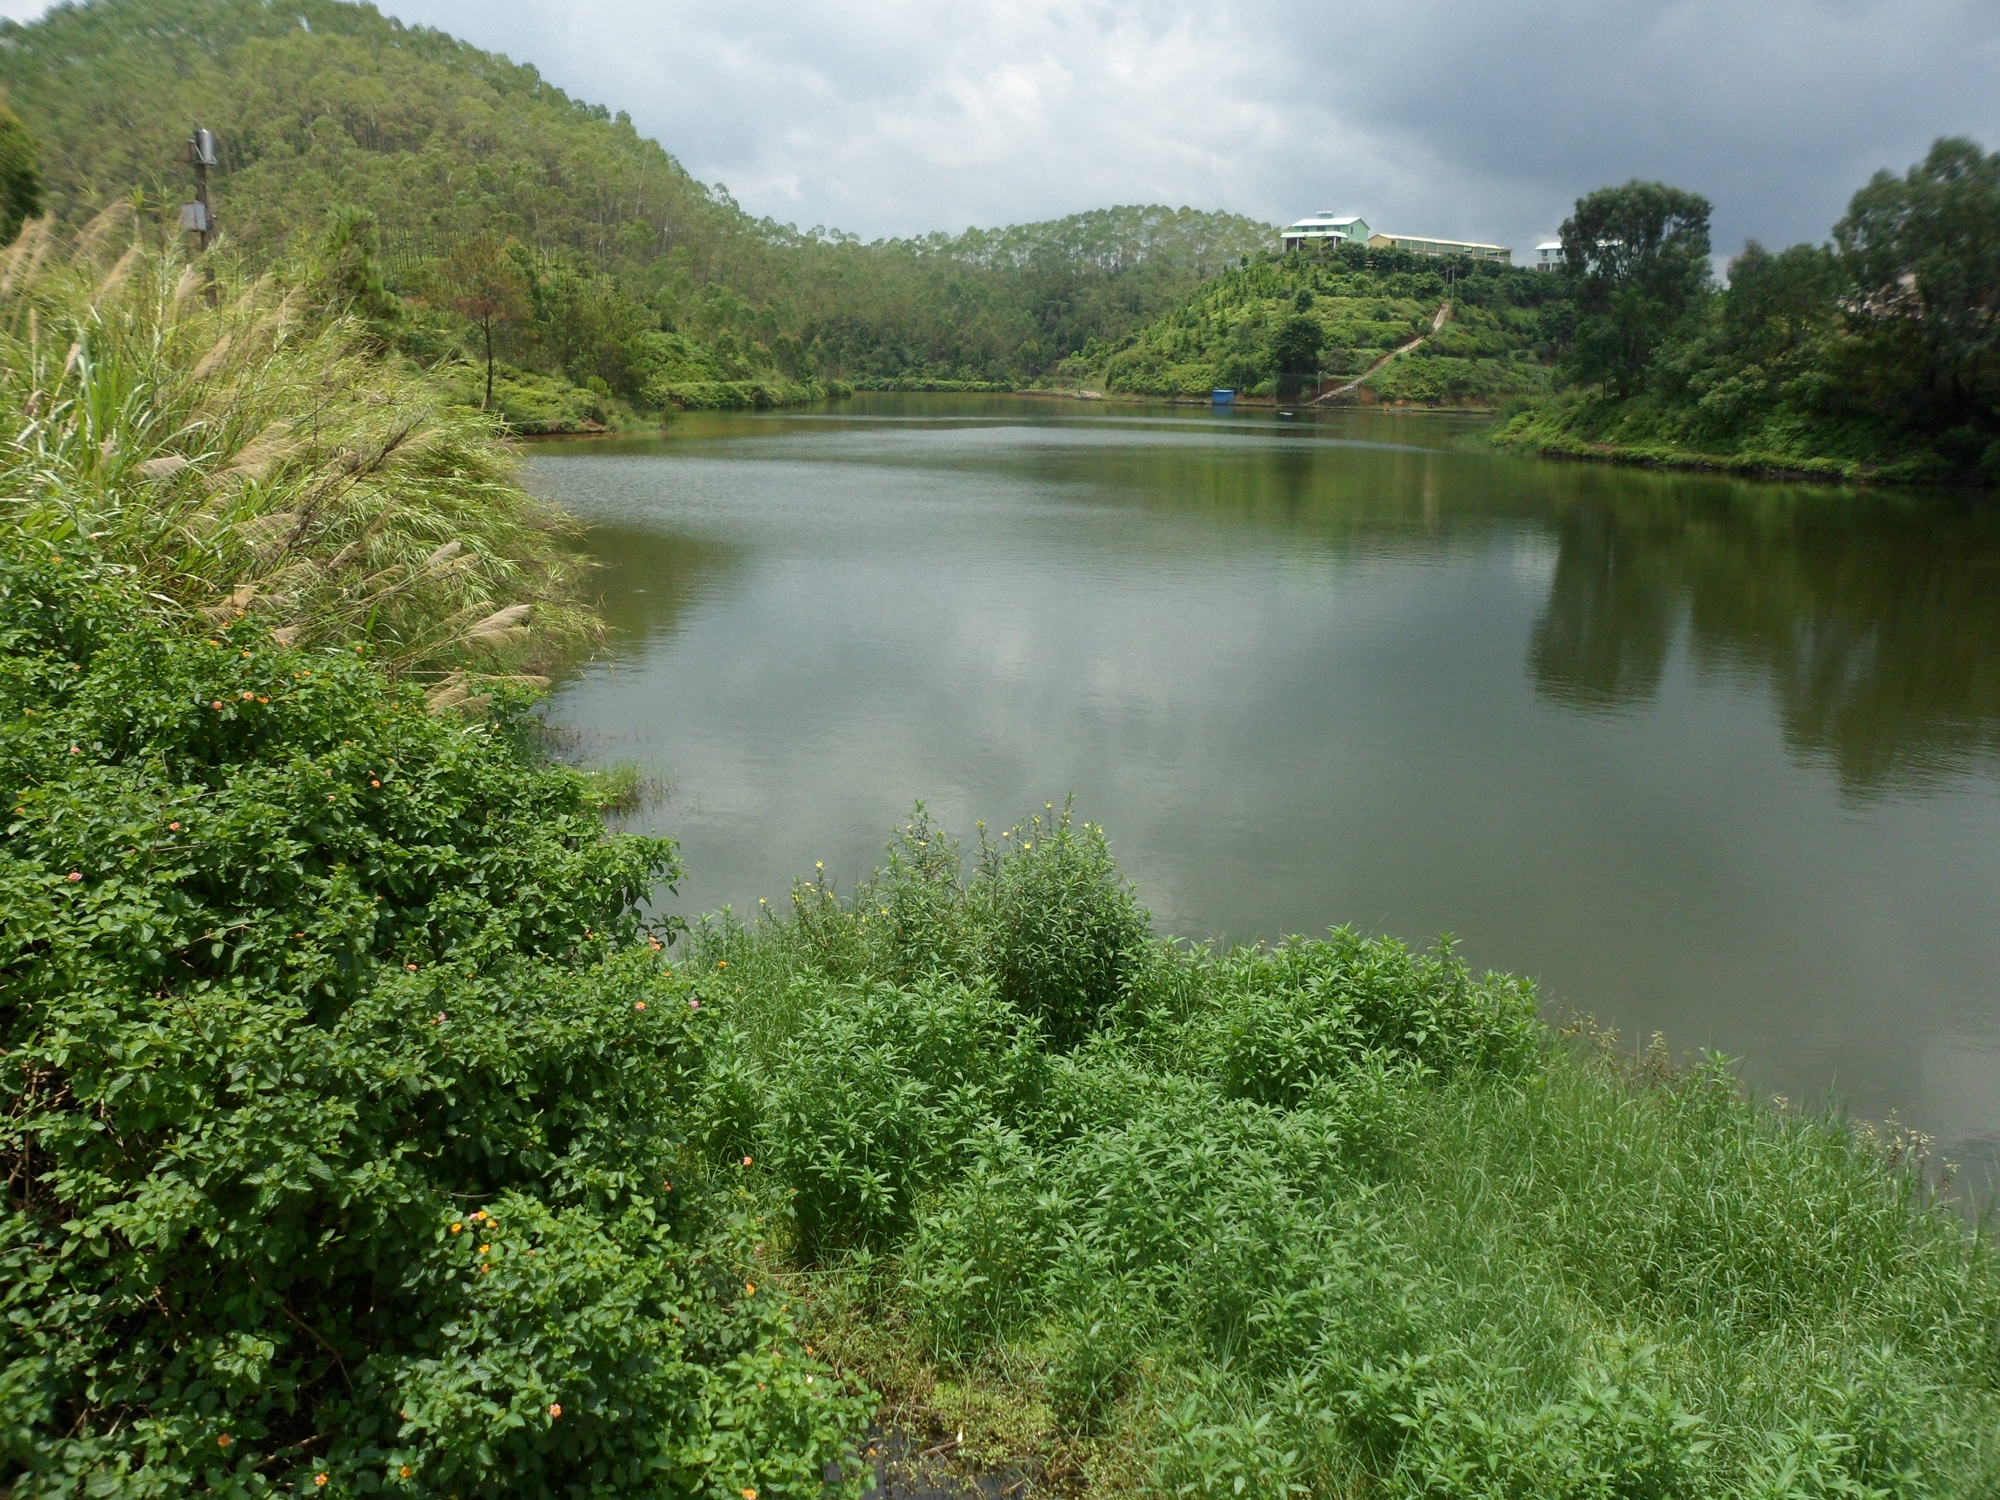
869,1102
343,1085
1064,926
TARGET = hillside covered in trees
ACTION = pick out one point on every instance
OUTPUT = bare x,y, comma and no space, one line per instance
1290,325
458,194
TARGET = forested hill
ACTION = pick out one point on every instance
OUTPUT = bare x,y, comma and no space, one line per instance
329,112
1283,326
320,102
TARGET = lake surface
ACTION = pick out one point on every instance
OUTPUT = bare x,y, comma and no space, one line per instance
1707,758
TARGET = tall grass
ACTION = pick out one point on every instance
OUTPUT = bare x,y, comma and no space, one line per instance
1331,1218
249,451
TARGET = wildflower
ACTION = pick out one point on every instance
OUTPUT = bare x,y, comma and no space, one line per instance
638,1005
722,963
749,1289
246,655
75,750
746,1161
412,968
440,1019
555,1408
223,1441
749,1494
217,704
456,1227
404,1472
75,875
483,1249
246,696
171,827
373,782
319,1481
668,1186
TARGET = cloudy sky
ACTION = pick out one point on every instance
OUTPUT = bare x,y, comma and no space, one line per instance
1475,121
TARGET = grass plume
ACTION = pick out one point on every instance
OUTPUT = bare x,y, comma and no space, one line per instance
247,453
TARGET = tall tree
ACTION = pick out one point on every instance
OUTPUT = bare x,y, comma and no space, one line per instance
1922,253
1639,258
485,286
1296,345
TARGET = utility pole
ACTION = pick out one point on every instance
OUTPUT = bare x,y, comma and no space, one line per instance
196,217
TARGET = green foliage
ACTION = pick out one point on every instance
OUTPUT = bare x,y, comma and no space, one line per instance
20,179
1921,255
343,1084
1064,926
871,1097
1872,357
1638,255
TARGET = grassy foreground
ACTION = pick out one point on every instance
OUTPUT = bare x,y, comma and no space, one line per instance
1330,1218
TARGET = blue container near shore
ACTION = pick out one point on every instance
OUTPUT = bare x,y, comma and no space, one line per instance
1223,398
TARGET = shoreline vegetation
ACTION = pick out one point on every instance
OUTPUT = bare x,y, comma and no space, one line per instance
364,1132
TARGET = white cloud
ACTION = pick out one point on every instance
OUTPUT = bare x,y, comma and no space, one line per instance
1429,116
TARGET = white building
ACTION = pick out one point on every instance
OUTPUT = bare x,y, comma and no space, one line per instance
1549,255
1325,225
1419,244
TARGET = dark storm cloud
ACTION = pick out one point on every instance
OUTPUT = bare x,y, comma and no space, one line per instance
1470,120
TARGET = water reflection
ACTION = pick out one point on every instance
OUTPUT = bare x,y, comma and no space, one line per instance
1874,620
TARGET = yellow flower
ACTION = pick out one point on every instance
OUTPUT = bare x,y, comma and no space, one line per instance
555,1408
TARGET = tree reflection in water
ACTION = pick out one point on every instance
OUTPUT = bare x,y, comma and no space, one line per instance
1875,619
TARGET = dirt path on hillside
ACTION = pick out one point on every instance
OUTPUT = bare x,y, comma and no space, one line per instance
1443,316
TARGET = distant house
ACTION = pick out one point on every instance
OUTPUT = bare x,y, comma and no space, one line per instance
1325,226
1421,245
1549,255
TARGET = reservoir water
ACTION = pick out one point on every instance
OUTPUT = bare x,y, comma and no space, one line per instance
1708,758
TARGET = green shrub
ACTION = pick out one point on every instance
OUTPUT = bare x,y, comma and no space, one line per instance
876,1094
1064,927
343,1091
1283,1021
